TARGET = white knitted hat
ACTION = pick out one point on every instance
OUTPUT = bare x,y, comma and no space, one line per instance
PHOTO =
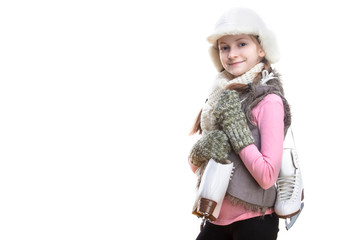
243,21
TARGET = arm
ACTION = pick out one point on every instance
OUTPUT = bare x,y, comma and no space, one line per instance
265,165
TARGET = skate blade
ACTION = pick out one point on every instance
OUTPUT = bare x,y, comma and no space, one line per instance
293,218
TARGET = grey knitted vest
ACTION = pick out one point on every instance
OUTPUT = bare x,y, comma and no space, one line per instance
243,189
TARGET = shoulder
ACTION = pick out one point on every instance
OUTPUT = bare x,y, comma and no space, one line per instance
271,106
270,100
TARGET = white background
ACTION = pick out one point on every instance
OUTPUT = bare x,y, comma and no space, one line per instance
97,99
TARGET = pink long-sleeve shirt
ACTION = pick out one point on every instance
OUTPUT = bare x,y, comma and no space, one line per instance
263,165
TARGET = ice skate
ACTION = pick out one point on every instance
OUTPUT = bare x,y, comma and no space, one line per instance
290,190
212,189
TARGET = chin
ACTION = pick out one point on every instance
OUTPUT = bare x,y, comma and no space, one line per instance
237,73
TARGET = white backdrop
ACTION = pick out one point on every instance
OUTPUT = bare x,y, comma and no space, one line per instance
97,99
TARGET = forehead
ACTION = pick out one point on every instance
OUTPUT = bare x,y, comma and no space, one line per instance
231,38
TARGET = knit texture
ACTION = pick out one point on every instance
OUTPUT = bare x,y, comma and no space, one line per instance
214,145
208,121
233,121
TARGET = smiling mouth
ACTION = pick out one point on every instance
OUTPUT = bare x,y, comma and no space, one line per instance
235,63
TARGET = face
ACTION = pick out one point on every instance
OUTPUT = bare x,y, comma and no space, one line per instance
239,53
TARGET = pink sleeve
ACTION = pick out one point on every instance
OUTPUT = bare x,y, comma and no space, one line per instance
264,165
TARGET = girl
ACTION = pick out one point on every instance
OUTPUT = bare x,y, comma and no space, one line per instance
245,110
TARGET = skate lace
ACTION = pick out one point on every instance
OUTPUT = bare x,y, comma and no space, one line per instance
286,186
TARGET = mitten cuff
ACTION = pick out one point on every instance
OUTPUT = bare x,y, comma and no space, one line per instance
239,135
196,163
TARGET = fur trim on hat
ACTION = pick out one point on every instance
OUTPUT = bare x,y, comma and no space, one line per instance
215,57
243,21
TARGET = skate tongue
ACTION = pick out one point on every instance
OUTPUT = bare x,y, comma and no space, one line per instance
288,165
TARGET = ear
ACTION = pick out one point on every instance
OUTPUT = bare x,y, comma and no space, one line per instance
261,52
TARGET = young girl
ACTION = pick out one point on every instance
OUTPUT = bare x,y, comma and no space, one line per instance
246,110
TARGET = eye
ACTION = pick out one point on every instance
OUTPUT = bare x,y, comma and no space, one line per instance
242,44
224,48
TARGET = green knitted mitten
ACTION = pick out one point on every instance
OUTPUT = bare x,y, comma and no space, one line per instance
214,145
232,119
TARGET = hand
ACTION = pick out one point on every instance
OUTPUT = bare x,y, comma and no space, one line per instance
233,121
214,145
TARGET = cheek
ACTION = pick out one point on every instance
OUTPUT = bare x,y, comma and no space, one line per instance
223,57
254,54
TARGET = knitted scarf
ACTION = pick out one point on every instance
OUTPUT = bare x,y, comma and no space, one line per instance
222,80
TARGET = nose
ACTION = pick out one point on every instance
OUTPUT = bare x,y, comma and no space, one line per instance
232,53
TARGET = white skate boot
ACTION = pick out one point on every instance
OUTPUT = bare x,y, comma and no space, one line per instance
290,190
212,190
